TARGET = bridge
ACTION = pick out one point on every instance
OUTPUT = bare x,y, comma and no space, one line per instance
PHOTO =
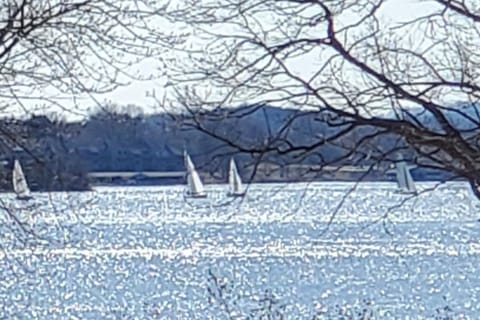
264,172
101,175
131,174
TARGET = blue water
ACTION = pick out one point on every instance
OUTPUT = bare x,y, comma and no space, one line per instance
148,253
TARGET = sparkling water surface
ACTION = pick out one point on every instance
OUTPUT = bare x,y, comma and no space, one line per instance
150,253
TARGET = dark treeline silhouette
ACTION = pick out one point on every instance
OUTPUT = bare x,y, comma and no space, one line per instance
43,148
57,155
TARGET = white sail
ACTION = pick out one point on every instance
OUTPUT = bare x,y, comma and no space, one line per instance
20,185
194,183
234,180
409,179
404,178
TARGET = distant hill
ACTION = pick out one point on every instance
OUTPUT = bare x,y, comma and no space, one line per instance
156,142
117,141
463,116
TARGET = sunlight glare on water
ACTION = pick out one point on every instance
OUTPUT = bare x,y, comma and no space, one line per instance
146,252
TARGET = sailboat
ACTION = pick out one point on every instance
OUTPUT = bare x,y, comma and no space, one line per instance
234,181
404,178
20,185
194,184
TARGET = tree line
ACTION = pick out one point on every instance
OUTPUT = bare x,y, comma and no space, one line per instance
57,155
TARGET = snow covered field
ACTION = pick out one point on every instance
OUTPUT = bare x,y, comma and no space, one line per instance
148,253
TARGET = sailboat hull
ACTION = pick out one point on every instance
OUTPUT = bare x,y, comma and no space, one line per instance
236,194
406,192
196,195
24,198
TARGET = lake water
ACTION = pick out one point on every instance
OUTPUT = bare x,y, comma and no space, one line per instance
149,253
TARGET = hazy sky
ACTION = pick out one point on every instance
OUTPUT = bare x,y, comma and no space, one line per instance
393,10
136,93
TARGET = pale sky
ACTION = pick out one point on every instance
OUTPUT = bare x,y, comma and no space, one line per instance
138,92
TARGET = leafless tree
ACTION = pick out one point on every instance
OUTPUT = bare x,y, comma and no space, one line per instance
354,64
53,51
66,54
